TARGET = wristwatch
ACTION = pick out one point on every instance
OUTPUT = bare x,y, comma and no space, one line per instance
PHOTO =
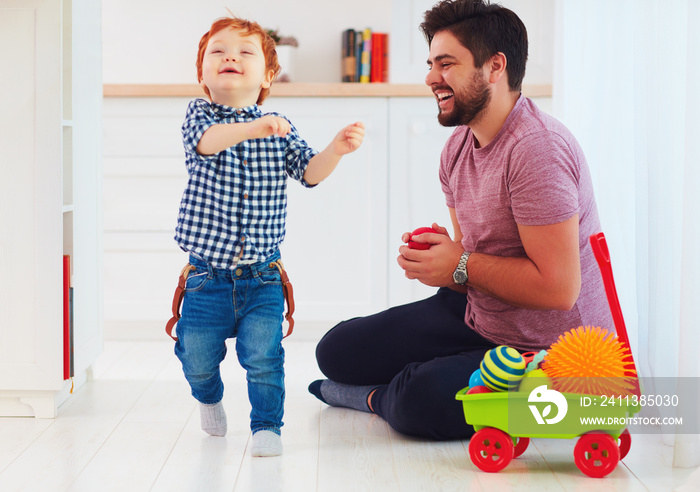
460,275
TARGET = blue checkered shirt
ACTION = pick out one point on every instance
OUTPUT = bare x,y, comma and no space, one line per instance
235,201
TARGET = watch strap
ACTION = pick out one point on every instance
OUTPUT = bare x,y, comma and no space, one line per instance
462,268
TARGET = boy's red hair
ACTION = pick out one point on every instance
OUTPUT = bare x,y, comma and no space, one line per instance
249,28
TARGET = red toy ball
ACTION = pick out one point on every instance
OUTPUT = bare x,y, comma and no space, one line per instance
478,389
421,230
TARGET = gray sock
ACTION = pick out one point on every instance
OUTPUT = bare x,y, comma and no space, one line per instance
213,418
342,395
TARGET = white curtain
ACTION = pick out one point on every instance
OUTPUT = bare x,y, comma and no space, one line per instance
626,82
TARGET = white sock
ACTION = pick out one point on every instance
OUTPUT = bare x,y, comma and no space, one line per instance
213,418
266,443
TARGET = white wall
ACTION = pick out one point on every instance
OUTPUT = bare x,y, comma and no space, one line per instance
409,50
155,41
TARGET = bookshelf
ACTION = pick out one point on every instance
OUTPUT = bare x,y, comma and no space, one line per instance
306,89
50,134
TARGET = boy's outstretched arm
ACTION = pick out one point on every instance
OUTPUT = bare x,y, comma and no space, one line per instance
322,164
221,137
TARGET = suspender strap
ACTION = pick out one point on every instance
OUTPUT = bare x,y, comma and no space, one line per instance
288,295
180,294
177,300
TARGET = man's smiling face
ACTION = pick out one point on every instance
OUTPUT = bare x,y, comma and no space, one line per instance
461,90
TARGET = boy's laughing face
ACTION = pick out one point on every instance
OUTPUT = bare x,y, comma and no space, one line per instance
233,68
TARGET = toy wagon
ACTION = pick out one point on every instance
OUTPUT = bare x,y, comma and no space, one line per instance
597,421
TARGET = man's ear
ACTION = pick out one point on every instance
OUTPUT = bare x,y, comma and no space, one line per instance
497,67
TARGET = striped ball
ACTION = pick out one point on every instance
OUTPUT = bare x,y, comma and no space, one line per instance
502,368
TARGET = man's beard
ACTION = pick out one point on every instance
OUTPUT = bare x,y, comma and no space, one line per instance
468,109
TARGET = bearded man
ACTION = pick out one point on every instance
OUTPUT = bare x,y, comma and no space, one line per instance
518,269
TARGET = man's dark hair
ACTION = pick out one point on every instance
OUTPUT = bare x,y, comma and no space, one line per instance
484,29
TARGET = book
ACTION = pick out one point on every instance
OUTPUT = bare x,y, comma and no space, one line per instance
385,57
68,364
359,44
349,64
375,72
366,56
380,57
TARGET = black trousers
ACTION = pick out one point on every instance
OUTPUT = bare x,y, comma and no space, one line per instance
421,354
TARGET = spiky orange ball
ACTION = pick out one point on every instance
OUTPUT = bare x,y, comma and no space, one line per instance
590,360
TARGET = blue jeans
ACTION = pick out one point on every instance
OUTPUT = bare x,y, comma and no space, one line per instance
246,303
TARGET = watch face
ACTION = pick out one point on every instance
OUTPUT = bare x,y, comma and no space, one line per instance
460,277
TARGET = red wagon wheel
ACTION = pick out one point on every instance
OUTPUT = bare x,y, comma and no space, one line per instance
625,442
521,446
596,454
491,449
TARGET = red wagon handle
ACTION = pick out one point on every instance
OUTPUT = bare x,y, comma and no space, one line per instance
602,256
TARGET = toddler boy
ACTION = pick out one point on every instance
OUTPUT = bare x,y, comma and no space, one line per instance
232,221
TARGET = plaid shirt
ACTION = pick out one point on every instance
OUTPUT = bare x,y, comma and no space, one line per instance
236,201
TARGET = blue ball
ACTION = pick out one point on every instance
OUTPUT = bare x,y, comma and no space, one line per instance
475,379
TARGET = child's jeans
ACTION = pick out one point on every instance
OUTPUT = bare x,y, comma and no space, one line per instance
246,303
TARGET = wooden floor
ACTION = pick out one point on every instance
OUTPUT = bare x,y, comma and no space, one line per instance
136,428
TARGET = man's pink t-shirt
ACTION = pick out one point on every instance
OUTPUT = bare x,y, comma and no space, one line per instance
532,173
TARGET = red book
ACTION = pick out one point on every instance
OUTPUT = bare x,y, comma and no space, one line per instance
67,320
376,58
385,58
380,57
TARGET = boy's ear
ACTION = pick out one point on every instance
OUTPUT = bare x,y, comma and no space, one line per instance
267,82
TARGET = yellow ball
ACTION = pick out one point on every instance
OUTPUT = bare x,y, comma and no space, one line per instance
502,368
533,379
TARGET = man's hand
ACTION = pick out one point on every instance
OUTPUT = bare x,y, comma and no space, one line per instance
433,266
